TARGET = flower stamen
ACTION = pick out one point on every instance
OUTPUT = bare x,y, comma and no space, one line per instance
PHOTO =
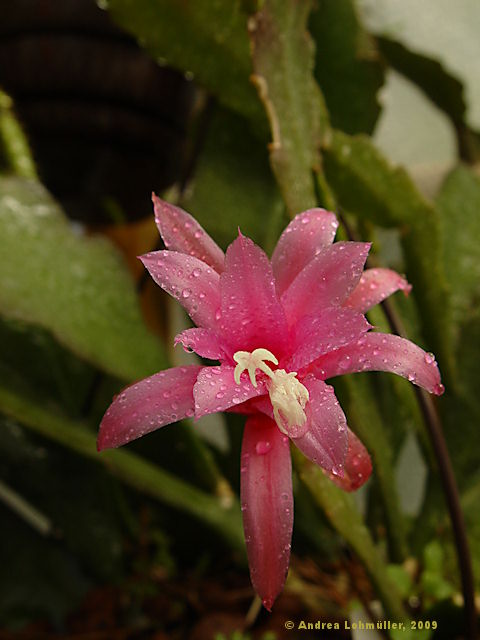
287,394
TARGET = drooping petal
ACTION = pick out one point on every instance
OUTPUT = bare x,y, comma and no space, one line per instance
306,235
383,352
252,316
358,465
332,328
375,285
216,390
147,405
181,232
326,281
193,283
267,505
204,342
325,441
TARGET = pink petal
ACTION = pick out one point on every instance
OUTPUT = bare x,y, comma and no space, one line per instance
383,352
252,315
267,505
202,341
325,441
216,390
181,232
358,466
375,285
332,328
306,235
194,284
326,281
147,405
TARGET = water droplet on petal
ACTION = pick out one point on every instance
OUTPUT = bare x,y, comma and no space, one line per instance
429,358
263,447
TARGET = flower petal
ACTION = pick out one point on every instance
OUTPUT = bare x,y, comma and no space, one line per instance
216,390
326,281
252,316
375,285
306,235
181,232
147,405
267,505
331,328
358,465
325,441
193,283
203,341
383,352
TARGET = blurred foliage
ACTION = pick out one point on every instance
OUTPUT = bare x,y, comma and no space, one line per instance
72,327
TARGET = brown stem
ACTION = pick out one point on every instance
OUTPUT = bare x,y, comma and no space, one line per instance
447,476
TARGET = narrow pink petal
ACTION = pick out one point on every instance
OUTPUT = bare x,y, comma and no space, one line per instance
306,235
383,352
147,405
252,315
216,390
325,441
193,283
332,328
204,342
181,232
358,465
267,505
326,281
375,285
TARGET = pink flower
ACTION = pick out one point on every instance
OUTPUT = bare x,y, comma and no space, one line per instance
279,329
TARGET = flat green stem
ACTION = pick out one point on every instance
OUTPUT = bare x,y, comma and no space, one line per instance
343,516
220,514
363,411
15,154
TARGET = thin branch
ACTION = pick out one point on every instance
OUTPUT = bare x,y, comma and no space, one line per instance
447,476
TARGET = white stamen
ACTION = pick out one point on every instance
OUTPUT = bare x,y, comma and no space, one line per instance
287,394
252,362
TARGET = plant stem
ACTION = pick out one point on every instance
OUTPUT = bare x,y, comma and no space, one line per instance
452,498
131,469
341,512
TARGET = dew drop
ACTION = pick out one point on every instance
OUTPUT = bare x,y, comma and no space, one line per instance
429,358
186,293
196,272
263,447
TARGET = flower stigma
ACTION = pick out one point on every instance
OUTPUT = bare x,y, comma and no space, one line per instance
287,394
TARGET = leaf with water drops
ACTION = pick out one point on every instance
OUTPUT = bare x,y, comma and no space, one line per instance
368,186
206,40
73,286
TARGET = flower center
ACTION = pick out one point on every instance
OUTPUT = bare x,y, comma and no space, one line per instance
287,394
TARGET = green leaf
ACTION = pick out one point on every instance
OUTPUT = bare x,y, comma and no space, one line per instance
129,468
344,517
458,203
347,66
233,185
15,154
283,61
364,418
444,31
444,89
75,287
369,187
206,39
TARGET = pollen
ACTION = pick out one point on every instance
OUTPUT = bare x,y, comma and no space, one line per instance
288,395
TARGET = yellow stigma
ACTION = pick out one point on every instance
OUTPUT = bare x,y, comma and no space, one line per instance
287,394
